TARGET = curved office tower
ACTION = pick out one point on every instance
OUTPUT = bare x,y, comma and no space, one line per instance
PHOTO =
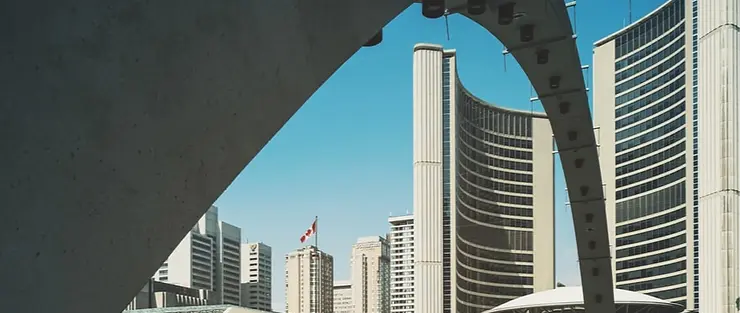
483,194
643,109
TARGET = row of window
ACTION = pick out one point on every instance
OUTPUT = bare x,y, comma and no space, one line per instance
653,246
463,271
650,148
472,126
652,234
652,172
653,122
649,29
650,111
494,119
652,73
476,215
656,258
492,207
485,171
493,196
655,96
655,221
678,32
472,141
654,284
653,159
653,134
484,159
655,271
651,185
485,182
505,239
652,85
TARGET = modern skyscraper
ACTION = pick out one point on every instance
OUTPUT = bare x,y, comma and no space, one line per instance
256,280
483,194
343,297
644,113
208,258
666,105
371,274
309,281
401,239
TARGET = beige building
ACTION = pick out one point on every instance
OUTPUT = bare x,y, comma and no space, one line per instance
483,194
343,297
309,281
666,103
370,266
401,241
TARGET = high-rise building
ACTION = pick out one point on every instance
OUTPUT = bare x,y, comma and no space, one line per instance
643,107
309,281
208,258
343,297
371,274
256,280
666,105
483,194
401,240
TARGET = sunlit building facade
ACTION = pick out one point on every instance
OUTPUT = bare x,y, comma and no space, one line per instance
483,194
665,99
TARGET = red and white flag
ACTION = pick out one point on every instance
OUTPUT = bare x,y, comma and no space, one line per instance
309,232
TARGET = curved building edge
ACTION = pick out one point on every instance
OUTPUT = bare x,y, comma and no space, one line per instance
645,112
495,204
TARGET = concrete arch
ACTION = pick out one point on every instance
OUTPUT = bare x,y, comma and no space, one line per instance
120,119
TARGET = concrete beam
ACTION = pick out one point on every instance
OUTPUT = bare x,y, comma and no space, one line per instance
122,121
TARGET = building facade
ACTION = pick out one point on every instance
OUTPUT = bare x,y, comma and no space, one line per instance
207,258
343,297
644,114
483,194
256,279
309,281
401,240
371,274
666,95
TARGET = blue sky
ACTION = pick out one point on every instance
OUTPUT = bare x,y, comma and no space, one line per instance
346,154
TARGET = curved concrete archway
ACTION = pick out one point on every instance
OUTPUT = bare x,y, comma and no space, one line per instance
120,119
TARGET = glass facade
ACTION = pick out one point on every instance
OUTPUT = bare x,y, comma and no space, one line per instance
494,200
651,156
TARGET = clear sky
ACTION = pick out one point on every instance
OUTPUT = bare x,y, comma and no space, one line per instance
346,154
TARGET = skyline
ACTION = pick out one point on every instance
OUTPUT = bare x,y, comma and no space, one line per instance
368,163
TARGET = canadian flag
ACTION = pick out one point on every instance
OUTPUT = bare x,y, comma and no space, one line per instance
309,232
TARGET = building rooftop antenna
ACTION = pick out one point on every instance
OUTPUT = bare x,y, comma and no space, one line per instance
629,7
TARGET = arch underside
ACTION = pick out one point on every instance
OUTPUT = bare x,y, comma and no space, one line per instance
121,122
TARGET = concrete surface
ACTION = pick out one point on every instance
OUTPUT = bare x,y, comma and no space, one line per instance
122,121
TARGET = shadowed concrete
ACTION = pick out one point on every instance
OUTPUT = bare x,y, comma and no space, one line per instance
121,122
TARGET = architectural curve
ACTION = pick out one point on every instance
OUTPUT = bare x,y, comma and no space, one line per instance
134,117
496,202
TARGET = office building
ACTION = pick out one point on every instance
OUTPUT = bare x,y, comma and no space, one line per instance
483,194
207,258
371,274
343,297
256,280
401,240
309,281
666,102
654,124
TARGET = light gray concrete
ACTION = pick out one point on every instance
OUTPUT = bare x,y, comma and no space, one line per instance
122,119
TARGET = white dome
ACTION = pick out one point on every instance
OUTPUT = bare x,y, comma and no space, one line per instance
573,296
